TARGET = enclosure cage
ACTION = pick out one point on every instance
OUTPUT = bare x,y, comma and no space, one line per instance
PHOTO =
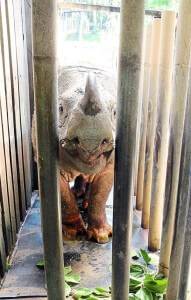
152,207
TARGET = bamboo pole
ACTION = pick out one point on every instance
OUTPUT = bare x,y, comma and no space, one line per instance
45,75
151,122
131,39
139,119
146,78
180,85
186,259
181,247
182,216
162,128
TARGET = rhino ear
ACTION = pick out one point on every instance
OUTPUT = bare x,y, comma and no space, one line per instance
91,103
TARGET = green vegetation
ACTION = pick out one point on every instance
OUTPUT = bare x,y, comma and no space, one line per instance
161,4
145,281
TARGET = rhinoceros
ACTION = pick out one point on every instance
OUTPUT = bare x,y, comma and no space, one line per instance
87,101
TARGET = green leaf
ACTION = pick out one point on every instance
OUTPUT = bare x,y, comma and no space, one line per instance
148,277
135,284
137,269
82,292
155,297
133,297
156,286
7,267
134,254
67,270
159,276
41,264
144,294
72,278
145,256
90,298
101,292
67,289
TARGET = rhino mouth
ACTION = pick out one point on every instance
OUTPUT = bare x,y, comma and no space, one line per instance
92,161
98,160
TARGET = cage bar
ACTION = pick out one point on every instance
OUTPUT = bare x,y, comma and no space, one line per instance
179,100
45,84
182,238
151,127
144,118
162,127
130,56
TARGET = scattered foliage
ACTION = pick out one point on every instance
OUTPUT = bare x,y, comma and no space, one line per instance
8,266
145,282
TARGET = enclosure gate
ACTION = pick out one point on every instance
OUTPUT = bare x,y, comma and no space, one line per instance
15,141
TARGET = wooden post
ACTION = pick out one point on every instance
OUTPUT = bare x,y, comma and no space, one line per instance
146,76
3,257
139,207
45,75
151,121
182,59
162,128
183,216
181,247
131,39
16,104
22,69
186,259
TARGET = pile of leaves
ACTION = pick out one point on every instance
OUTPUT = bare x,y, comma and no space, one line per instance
71,279
145,281
95,294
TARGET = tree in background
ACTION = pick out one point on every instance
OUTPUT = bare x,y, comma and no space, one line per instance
161,4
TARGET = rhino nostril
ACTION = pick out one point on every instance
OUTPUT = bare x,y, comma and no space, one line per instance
75,141
63,142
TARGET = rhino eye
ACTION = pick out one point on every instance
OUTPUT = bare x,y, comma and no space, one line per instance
61,109
105,141
114,113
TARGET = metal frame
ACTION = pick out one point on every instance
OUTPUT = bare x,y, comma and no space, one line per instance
96,7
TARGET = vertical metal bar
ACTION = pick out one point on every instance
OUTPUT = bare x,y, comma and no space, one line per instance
183,218
162,127
177,117
45,75
131,40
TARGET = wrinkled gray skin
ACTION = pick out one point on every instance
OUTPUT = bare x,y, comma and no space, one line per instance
87,102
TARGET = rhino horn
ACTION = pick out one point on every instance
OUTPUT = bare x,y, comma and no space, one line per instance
90,103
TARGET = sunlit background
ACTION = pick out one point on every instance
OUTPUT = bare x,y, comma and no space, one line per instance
92,37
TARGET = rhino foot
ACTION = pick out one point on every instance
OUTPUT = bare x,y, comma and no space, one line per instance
72,227
100,233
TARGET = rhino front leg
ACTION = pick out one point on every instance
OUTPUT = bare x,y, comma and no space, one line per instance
72,222
98,227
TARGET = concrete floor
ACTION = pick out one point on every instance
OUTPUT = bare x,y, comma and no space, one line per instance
89,259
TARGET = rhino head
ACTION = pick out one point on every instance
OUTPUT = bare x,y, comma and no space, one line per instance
89,141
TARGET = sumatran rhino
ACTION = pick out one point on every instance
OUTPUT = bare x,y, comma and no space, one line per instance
87,99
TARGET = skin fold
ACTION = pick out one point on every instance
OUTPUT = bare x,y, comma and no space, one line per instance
86,148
